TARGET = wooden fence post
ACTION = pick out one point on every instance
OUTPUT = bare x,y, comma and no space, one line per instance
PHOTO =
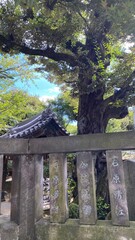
118,198
27,193
58,188
86,188
1,175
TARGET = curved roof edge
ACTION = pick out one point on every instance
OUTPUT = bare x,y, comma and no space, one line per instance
45,124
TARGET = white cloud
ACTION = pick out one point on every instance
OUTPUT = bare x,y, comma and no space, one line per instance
54,90
52,93
46,98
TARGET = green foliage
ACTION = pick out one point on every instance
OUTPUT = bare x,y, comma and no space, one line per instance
66,108
71,187
46,170
72,129
16,106
12,69
9,166
79,44
73,210
120,125
121,14
102,208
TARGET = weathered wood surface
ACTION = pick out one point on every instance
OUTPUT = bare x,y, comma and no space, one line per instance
108,141
117,188
86,188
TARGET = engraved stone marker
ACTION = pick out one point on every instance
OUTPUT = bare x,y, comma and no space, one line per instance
86,188
118,198
1,174
58,188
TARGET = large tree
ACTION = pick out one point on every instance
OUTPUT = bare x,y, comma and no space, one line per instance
78,43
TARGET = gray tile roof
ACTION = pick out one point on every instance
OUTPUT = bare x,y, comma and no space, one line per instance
44,124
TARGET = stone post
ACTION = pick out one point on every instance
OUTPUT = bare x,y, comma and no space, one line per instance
58,188
129,170
118,198
38,159
1,174
15,188
86,188
27,194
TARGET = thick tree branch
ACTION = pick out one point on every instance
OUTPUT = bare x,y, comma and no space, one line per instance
120,94
50,53
114,112
7,44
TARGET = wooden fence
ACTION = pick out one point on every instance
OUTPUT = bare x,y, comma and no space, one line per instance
27,185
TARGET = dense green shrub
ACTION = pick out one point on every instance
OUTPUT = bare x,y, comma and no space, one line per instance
73,210
102,208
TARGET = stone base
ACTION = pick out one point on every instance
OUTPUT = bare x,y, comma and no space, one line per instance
8,230
71,230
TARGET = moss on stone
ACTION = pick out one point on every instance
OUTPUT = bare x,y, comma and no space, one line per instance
72,230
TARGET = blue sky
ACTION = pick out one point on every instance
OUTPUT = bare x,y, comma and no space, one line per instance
40,87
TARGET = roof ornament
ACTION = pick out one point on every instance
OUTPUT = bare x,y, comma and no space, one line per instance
48,114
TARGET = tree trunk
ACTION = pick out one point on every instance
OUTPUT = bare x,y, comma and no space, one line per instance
91,120
90,114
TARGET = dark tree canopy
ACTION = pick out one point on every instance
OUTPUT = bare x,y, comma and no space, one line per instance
79,43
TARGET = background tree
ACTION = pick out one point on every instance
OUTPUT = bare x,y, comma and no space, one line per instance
16,106
119,125
66,108
14,68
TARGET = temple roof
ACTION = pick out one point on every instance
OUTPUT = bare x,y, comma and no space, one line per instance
44,124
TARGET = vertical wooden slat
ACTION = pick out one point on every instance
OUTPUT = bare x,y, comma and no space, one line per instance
118,198
86,188
1,175
58,188
27,190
